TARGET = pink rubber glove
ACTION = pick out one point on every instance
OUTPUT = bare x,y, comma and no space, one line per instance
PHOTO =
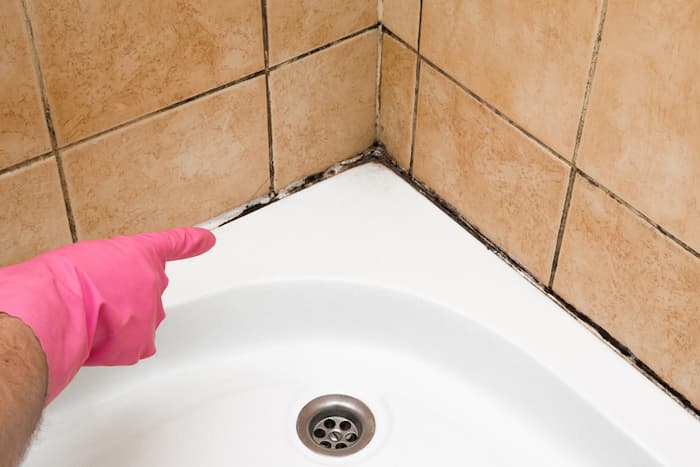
97,302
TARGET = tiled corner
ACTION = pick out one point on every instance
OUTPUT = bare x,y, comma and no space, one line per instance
108,62
641,138
530,62
295,27
507,186
23,131
33,216
180,167
402,18
634,282
397,93
323,108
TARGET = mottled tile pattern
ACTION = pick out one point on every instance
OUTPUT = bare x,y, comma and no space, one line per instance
507,186
297,26
33,214
641,138
402,17
397,93
107,62
636,283
323,108
528,59
178,168
23,131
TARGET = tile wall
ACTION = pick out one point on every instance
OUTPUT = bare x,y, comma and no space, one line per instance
119,117
566,133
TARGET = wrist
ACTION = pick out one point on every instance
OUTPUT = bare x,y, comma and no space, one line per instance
23,386
53,310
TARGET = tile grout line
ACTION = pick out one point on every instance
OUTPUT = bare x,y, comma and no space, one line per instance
323,47
66,198
414,117
49,124
571,180
378,91
25,163
589,82
577,145
268,104
40,78
380,60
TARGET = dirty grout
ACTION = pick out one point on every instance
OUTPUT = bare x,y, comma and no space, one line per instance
378,89
268,101
415,93
49,124
577,144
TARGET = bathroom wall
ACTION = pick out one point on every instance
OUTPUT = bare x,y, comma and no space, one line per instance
564,132
119,117
567,133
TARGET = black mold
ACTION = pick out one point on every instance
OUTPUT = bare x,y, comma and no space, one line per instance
377,154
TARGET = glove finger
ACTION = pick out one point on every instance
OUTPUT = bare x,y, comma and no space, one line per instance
179,243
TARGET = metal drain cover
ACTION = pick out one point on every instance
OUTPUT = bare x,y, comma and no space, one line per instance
335,425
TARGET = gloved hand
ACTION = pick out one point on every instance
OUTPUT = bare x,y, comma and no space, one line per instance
96,302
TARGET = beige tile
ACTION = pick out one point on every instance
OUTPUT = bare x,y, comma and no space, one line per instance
636,283
528,59
23,131
180,167
397,93
641,137
295,27
401,17
323,108
33,216
508,187
108,62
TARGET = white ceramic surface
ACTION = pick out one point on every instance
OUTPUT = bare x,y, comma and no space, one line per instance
359,285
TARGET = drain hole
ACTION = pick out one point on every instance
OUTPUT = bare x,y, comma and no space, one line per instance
329,423
335,425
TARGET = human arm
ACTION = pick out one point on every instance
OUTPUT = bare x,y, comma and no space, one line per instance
23,383
91,303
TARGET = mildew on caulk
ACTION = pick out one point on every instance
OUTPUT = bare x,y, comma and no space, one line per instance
377,154
625,352
368,155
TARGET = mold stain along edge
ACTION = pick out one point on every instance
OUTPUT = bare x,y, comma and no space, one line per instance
377,154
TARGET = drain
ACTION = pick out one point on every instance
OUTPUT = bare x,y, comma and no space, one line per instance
335,425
